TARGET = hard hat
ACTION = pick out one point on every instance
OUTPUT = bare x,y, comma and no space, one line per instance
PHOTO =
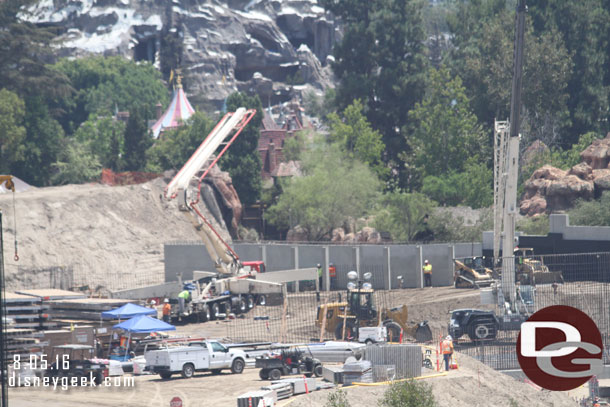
166,300
426,261
318,265
330,264
449,337
153,302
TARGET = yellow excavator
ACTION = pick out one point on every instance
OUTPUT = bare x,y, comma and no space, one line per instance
342,319
470,272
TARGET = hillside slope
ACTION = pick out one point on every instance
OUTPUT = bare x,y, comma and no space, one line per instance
93,234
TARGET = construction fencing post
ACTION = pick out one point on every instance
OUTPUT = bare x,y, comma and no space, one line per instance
388,264
295,256
326,271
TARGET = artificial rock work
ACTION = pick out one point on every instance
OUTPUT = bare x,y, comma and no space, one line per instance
551,189
259,46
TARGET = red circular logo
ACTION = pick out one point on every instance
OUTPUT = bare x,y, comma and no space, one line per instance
559,348
175,402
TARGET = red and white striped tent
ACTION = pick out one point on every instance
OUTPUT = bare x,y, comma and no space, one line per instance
176,114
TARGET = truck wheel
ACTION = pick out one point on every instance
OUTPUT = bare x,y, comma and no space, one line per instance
250,302
188,370
369,342
318,371
238,366
275,374
165,375
350,331
482,328
262,300
205,314
215,311
263,374
393,332
242,306
227,307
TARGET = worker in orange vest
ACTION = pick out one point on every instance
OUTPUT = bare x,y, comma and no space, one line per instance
167,311
332,272
447,350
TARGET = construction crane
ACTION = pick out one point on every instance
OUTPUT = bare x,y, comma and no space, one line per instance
506,171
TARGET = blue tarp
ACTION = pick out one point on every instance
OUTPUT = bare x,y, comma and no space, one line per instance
144,323
128,311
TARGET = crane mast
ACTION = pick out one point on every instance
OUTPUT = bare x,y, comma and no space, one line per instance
506,169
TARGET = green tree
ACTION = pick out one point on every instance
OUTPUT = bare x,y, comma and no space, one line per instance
76,164
294,146
12,131
333,189
537,225
173,149
592,213
354,134
402,214
583,26
381,61
447,227
43,143
410,393
104,136
242,159
445,131
104,84
137,140
26,50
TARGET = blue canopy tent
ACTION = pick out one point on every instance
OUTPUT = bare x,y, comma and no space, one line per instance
128,310
142,324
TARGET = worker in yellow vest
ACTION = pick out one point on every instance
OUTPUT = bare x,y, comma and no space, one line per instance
427,274
447,350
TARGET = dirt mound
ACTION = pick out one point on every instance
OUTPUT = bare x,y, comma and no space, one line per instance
93,235
473,384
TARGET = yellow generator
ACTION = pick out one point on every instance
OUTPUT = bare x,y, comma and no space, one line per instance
342,319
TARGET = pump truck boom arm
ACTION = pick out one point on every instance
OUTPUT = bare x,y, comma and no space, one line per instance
225,258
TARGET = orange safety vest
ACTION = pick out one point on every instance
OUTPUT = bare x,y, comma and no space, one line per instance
167,309
332,271
446,347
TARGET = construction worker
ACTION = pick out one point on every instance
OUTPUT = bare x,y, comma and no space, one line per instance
427,274
319,276
153,305
332,272
447,350
167,311
183,297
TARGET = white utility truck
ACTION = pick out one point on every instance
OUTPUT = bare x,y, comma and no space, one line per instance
197,357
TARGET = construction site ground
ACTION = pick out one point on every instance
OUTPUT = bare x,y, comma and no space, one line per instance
473,384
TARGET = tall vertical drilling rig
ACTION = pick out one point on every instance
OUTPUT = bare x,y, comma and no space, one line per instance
506,173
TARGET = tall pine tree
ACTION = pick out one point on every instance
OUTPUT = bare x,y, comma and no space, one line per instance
137,140
242,159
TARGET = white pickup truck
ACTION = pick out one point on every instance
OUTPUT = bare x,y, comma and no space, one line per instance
197,357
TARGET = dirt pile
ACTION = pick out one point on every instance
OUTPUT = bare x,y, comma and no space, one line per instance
472,385
93,235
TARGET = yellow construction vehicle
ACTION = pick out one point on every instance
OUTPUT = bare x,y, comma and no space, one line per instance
343,319
532,271
470,272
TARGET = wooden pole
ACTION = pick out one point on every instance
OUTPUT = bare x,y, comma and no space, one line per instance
344,322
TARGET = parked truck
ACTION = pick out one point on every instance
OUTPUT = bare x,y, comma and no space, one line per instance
205,356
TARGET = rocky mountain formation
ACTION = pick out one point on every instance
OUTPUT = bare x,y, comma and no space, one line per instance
264,46
552,189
